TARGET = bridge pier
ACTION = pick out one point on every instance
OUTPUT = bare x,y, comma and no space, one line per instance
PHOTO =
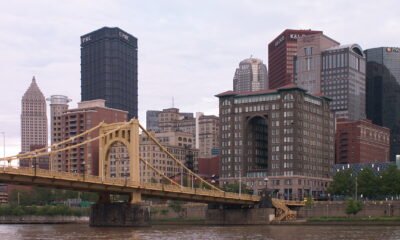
259,214
238,215
133,213
120,215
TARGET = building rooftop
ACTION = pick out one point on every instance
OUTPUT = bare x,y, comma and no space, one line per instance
353,46
286,87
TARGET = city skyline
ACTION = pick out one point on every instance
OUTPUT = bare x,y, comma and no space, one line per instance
175,47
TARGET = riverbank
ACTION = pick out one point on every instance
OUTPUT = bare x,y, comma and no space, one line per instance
378,221
43,219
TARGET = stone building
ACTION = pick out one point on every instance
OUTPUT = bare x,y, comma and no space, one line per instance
33,118
204,128
179,144
308,60
207,133
284,137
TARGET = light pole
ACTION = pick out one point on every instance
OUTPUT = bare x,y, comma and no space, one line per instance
356,189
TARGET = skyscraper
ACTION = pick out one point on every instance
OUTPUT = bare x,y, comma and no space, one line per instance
109,69
33,119
251,75
308,60
383,88
343,80
280,57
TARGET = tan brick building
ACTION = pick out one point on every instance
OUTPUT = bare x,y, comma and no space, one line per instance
207,134
180,144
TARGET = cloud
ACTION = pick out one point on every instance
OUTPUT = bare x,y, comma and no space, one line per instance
187,49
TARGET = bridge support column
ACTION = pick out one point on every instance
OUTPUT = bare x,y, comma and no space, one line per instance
238,215
120,215
135,197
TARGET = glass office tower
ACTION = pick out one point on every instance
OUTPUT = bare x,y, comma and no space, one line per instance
383,92
109,69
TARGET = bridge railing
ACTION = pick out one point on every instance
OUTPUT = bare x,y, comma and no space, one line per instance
125,182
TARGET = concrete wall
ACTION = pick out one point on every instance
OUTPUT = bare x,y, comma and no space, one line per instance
255,216
337,209
191,210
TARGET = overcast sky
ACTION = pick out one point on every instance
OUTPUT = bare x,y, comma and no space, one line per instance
187,49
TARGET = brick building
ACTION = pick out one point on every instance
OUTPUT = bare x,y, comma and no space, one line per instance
209,166
283,134
89,114
281,52
361,142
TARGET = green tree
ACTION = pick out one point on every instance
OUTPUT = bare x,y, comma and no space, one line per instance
368,183
390,182
353,207
177,206
234,187
343,184
164,211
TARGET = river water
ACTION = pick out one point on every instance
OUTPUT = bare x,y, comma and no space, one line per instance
83,231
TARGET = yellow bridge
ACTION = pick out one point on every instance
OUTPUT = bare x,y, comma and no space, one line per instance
126,133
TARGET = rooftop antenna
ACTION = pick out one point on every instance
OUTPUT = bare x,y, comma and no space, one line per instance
173,105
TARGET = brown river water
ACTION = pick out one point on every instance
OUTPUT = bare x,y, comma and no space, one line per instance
83,231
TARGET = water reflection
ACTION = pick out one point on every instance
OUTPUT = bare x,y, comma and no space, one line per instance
83,231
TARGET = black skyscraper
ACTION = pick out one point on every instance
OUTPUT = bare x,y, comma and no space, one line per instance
109,69
383,92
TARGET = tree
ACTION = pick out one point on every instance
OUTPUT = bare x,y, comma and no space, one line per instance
368,183
176,206
234,187
390,182
353,207
343,184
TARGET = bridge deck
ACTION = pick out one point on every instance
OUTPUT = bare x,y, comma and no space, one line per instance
64,180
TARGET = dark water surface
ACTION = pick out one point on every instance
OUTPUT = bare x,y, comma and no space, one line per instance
83,231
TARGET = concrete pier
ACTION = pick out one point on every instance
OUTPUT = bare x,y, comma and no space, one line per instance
240,216
120,215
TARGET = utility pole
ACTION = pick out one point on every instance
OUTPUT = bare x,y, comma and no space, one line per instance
356,189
